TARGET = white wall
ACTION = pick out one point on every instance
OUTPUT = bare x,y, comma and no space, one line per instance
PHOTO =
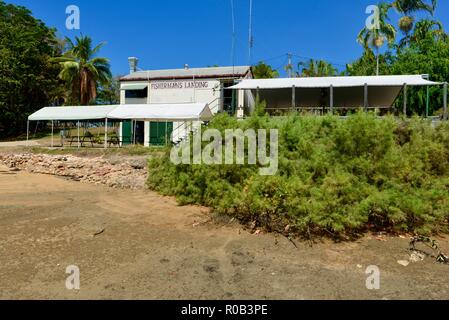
184,91
180,91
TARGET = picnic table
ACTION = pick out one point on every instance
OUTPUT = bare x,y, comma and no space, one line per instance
82,140
111,141
116,141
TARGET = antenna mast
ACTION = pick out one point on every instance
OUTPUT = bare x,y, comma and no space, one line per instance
233,34
250,38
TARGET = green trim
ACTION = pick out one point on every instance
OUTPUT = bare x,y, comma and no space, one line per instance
127,132
160,133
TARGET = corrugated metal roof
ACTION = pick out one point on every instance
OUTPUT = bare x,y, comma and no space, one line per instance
336,82
213,72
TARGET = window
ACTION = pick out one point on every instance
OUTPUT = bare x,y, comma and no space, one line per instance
229,99
130,94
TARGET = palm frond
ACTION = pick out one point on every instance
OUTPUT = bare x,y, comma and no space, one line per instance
81,70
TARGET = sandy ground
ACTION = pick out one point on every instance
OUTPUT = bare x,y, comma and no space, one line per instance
152,249
30,143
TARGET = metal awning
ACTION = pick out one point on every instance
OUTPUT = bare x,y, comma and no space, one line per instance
136,112
342,92
139,112
134,86
72,113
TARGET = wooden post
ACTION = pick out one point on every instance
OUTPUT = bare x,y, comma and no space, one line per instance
445,115
78,129
293,98
106,133
331,94
404,111
366,103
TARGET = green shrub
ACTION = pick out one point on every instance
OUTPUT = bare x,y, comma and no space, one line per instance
338,177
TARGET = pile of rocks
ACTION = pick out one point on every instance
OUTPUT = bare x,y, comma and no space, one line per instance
126,173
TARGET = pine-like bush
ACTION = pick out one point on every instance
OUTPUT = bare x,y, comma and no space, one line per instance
338,177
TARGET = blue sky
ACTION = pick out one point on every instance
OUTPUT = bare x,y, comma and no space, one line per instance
169,34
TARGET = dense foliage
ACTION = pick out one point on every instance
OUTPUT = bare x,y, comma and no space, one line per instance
423,49
428,56
316,68
336,177
109,93
28,80
29,73
264,71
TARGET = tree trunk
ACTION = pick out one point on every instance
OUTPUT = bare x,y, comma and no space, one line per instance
377,60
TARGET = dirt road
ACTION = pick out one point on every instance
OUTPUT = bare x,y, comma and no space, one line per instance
139,245
9,144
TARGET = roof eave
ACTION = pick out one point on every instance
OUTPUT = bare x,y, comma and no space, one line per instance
223,76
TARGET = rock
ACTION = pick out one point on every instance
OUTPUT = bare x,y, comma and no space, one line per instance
115,173
404,263
137,164
417,256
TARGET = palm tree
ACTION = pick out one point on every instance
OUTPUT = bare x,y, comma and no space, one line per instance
82,71
289,69
375,37
428,28
407,8
316,68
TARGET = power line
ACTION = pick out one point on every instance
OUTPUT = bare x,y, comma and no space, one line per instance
266,60
329,60
271,59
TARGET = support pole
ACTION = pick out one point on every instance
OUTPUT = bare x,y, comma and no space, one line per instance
134,132
28,132
331,94
52,133
106,133
166,133
427,77
293,98
149,133
404,111
78,127
365,104
445,115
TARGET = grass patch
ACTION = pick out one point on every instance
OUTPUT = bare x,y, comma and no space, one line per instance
85,152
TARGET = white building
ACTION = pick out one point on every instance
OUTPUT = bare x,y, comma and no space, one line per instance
196,85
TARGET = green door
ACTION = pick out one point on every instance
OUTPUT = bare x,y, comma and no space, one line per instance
160,133
127,132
